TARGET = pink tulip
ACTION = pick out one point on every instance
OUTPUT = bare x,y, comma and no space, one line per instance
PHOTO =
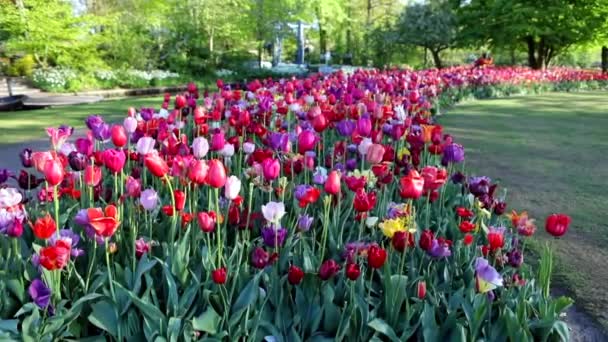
375,153
271,168
53,172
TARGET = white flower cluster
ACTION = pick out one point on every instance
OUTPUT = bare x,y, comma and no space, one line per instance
152,74
223,72
105,75
53,77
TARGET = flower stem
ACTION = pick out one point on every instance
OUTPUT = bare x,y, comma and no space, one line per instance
107,247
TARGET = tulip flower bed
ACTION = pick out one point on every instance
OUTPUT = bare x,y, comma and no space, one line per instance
325,208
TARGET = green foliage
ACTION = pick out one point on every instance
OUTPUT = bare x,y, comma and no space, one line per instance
50,32
543,29
431,26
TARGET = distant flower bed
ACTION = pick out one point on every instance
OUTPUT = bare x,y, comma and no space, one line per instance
58,79
331,207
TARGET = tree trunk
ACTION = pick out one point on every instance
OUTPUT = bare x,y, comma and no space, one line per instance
605,59
260,51
531,47
436,59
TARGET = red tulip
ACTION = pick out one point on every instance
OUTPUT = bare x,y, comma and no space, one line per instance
426,240
114,160
468,239
376,256
328,269
401,240
496,239
180,199
92,175
320,123
466,226
44,227
206,221
216,176
53,172
219,276
310,196
411,186
306,141
364,202
271,168
375,154
55,257
332,184
353,271
557,224
157,165
465,213
295,275
105,223
434,177
218,141
421,289
119,136
180,102
198,171
355,183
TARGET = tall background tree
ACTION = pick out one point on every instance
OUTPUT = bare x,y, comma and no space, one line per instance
430,25
544,29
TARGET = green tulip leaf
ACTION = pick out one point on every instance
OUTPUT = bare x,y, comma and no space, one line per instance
208,321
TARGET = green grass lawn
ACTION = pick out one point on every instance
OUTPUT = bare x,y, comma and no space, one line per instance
551,153
22,126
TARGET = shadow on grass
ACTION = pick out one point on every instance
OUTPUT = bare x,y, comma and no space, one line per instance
550,152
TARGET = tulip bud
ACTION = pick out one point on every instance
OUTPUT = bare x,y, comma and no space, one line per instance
557,224
295,275
375,154
306,141
353,271
216,176
15,229
219,276
218,141
180,102
200,147
77,161
232,187
376,256
421,290
206,221
198,171
114,160
328,269
53,172
119,136
271,168
157,165
92,175
332,184
180,199
26,158
259,258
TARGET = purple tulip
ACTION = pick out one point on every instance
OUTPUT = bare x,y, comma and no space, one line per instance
40,293
304,222
439,249
259,258
346,127
146,113
26,158
4,175
273,237
452,153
